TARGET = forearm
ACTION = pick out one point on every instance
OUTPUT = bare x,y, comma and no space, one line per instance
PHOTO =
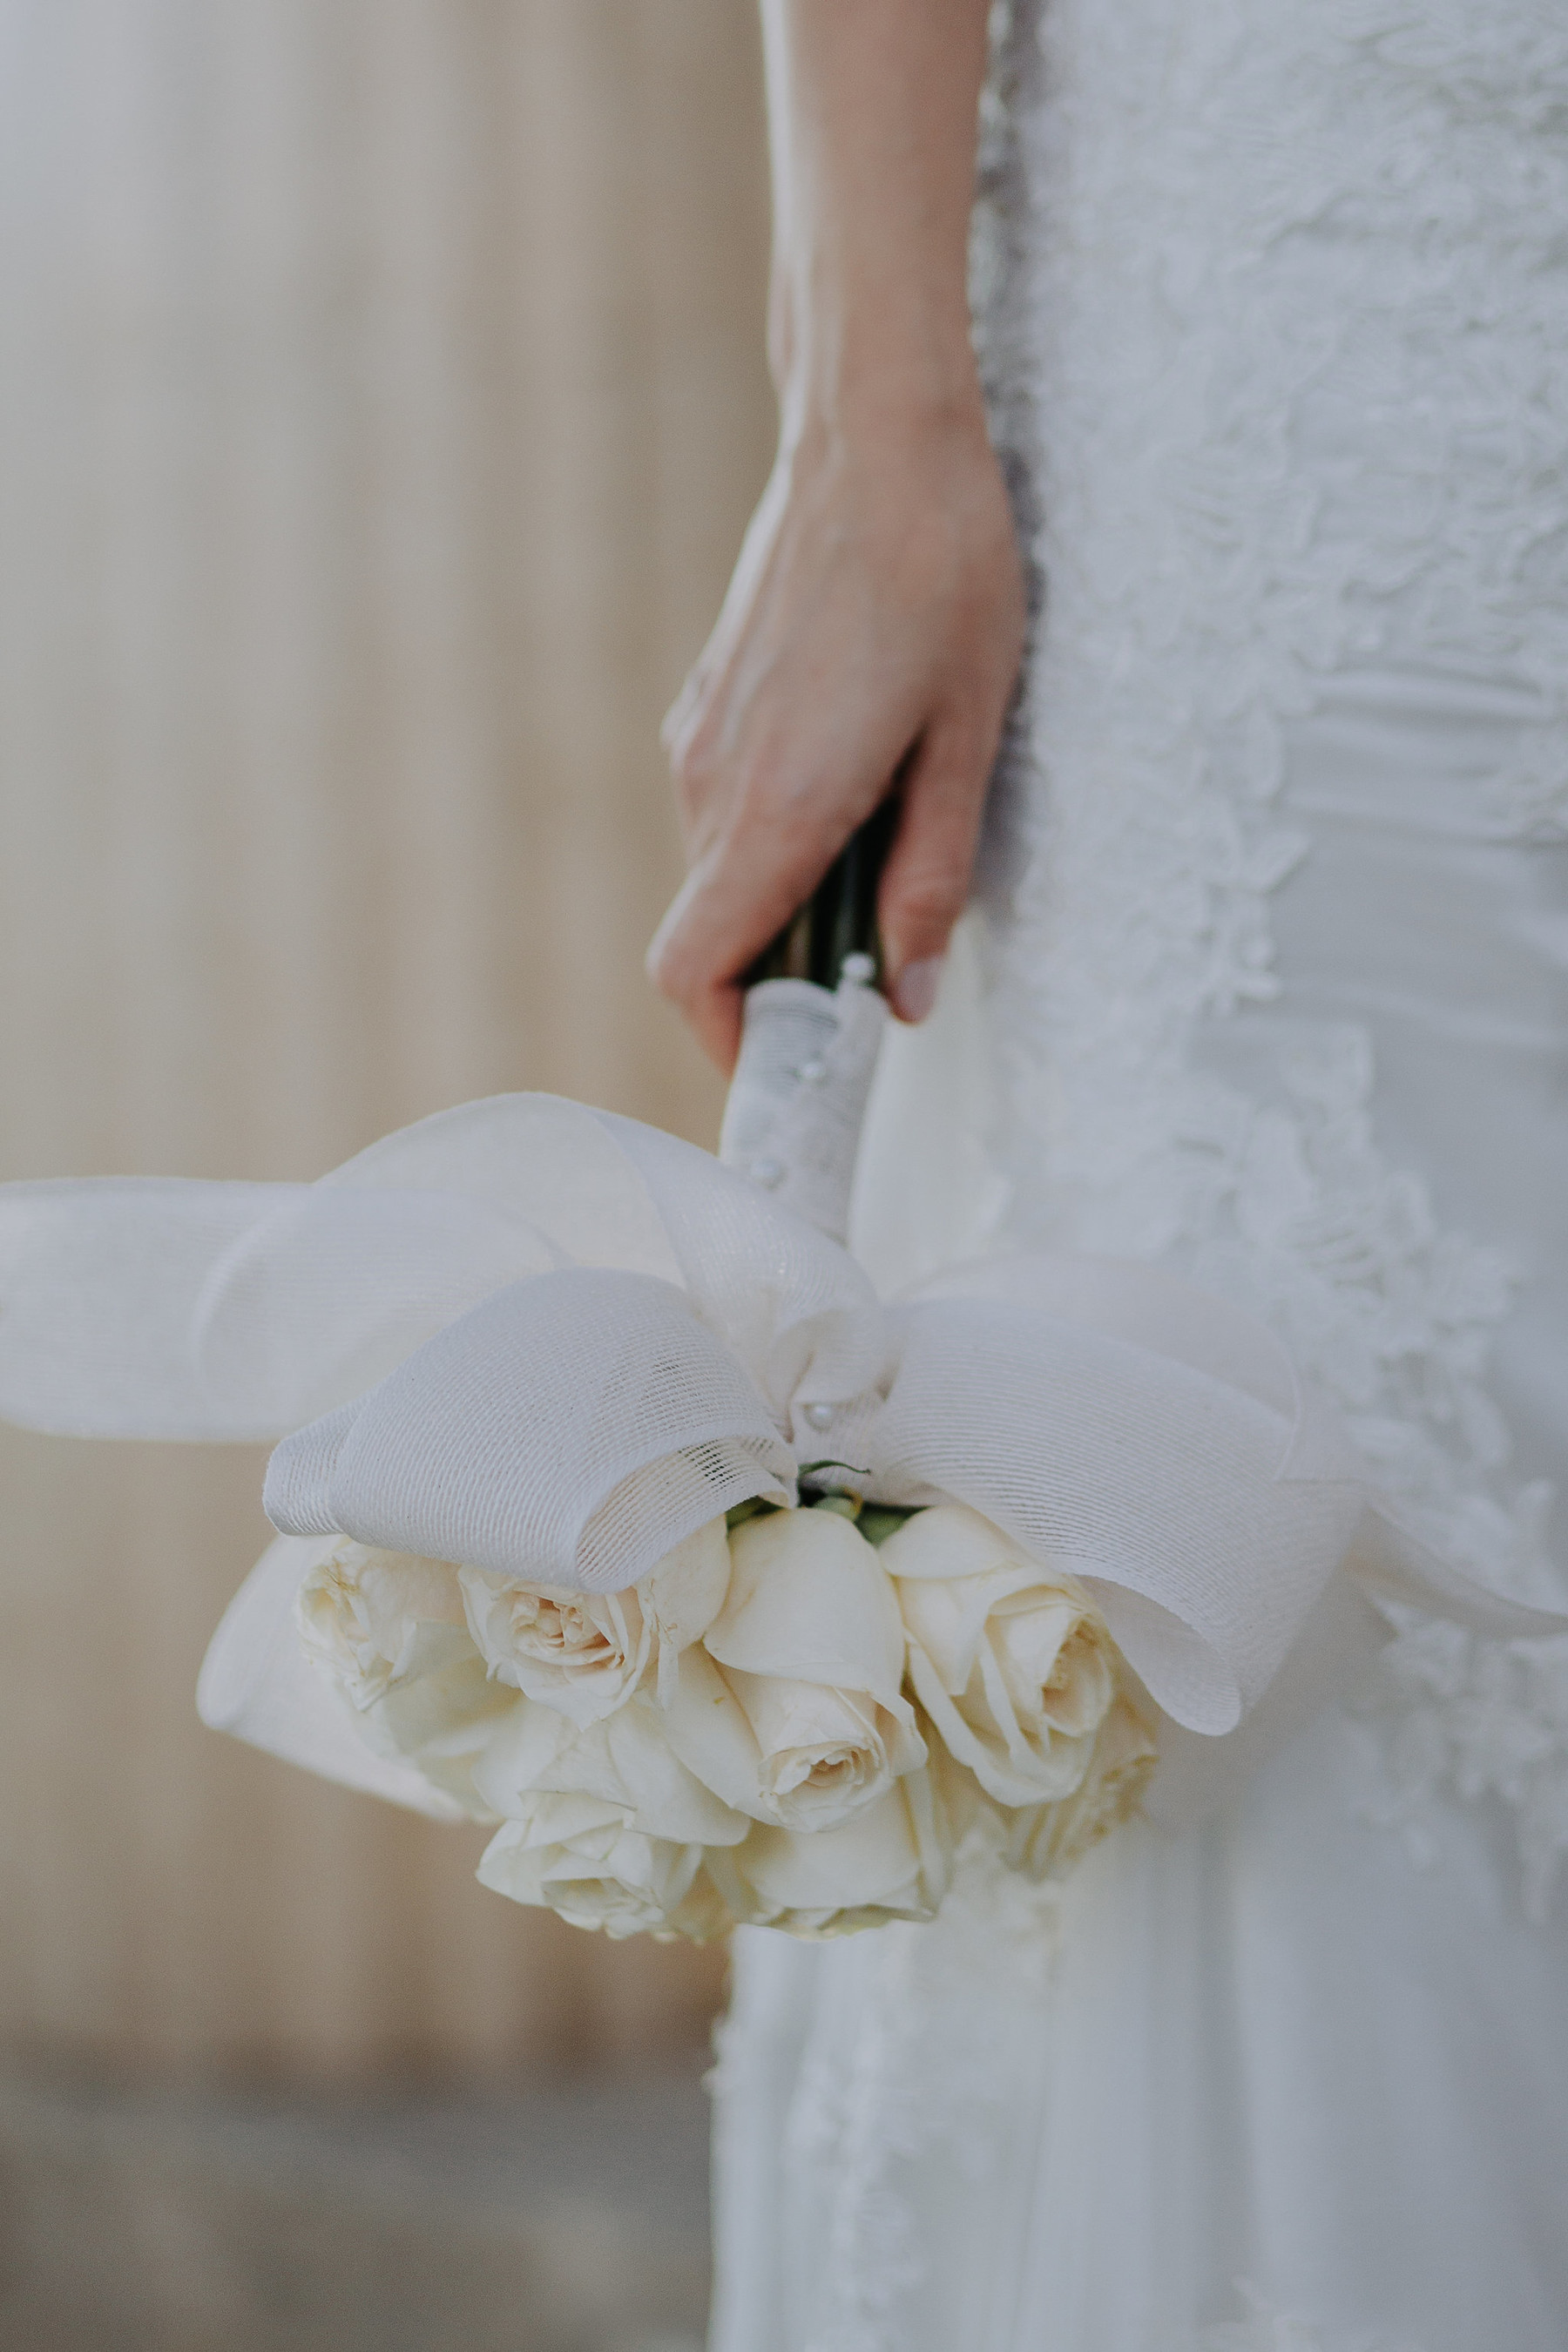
873,626
872,112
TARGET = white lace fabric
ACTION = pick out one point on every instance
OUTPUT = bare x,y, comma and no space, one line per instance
1274,957
1298,446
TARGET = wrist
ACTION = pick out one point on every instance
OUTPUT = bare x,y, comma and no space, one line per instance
882,425
861,375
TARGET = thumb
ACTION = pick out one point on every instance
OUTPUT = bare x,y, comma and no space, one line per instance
925,884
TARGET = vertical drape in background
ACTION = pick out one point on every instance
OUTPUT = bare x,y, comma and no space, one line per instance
381,401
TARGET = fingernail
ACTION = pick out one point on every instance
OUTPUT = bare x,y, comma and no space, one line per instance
914,991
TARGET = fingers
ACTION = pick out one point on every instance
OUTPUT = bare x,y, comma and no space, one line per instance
772,850
678,965
748,883
925,886
846,639
738,895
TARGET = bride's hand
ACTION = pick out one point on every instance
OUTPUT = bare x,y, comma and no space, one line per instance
874,625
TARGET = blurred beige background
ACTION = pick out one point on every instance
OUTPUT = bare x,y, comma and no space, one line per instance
381,401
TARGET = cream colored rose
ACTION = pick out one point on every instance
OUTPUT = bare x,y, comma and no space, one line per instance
1010,1659
891,1860
388,1629
580,1856
791,1709
370,1619
585,1654
1045,1841
627,1762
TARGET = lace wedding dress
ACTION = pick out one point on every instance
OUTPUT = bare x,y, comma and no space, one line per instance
1270,982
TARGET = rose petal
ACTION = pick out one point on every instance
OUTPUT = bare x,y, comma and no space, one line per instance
1015,1772
582,1860
824,1752
686,1592
872,1859
809,1598
627,1762
1045,1841
584,1653
360,1610
708,1731
951,1542
669,1799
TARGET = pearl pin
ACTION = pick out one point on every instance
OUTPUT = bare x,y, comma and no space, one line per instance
821,1416
768,1173
812,1073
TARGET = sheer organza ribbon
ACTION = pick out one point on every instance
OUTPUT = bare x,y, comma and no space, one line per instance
542,1339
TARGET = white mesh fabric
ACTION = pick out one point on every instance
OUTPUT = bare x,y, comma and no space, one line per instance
297,1494
1156,1483
686,1488
1126,1298
175,1309
551,1163
793,1305
322,1299
565,1418
573,1424
133,1307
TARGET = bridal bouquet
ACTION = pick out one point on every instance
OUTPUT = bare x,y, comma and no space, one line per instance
793,1720
616,1508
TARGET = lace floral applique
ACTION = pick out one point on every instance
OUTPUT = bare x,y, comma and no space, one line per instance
1267,2330
1396,1314
1473,1719
930,2062
1310,415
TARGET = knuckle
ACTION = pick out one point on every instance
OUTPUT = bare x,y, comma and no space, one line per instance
668,966
683,734
689,735
692,775
660,972
675,983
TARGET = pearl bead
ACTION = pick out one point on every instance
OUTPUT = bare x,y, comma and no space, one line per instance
858,968
812,1073
769,1173
821,1416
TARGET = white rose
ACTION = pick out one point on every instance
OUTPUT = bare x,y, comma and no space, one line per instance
625,1763
370,1619
388,1629
580,1856
1045,1841
791,1709
892,1860
586,1652
1010,1659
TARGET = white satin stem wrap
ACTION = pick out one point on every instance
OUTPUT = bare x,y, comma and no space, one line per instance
551,1342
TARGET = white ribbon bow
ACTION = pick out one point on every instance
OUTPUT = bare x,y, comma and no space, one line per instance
542,1339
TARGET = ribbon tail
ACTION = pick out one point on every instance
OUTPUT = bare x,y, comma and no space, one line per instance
1197,1774
1392,1561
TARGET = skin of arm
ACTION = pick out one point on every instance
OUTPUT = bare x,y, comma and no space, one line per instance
875,621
